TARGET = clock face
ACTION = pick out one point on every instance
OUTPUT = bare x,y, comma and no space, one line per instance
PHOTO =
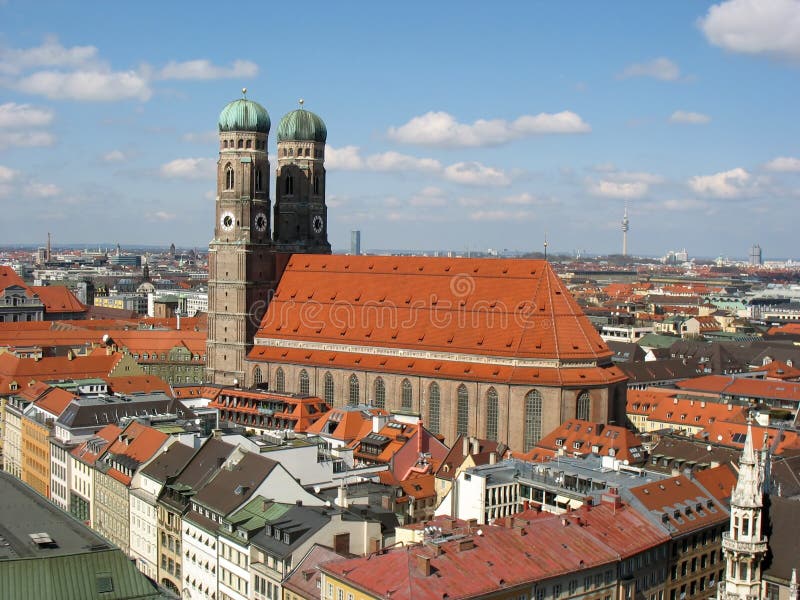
227,221
317,224
260,222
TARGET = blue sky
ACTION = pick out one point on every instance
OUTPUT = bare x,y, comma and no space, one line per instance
464,125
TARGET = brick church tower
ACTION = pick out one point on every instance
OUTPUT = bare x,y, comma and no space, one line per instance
244,262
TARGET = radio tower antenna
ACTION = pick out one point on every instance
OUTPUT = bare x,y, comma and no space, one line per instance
625,226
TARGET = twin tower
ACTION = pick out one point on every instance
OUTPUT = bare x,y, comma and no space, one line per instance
252,242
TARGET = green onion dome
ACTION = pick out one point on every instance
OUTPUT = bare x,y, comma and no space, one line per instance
244,115
302,126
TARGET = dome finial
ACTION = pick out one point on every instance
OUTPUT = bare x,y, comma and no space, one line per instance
301,102
244,92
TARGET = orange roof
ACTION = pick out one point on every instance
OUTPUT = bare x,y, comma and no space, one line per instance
137,442
785,329
575,436
58,299
89,451
778,369
499,308
746,387
733,435
684,412
346,423
8,276
444,369
196,391
644,402
97,363
55,400
719,481
132,384
160,340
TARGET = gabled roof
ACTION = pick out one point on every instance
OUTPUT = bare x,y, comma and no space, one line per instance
137,443
169,463
779,370
55,400
691,412
479,450
304,579
89,451
97,363
497,308
8,277
58,299
747,387
138,384
576,436
734,434
232,486
345,423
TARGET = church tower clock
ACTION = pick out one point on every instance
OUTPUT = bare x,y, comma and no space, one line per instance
241,269
301,216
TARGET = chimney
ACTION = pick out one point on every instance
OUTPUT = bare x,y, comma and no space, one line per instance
472,523
379,422
465,446
492,458
467,544
476,445
424,564
341,496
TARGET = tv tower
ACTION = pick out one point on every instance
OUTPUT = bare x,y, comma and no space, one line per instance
625,226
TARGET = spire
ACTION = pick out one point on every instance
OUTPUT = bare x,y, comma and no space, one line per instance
748,491
748,454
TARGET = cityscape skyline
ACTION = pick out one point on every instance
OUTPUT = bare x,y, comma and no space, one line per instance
487,135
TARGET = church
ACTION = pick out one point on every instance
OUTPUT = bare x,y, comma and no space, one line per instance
494,348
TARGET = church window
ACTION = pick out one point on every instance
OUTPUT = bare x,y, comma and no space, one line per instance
280,381
241,143
225,144
316,184
258,180
380,393
433,407
583,405
229,177
491,414
258,376
329,389
533,419
304,382
291,151
406,395
307,153
462,414
354,390
289,185
249,144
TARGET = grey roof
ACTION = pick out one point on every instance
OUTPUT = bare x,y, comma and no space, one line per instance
231,487
46,553
169,463
783,532
202,467
304,579
660,370
785,474
625,351
681,452
299,522
100,411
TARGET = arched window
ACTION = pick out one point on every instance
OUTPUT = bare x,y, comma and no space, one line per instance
229,177
491,414
433,407
258,180
406,395
291,151
380,393
280,381
355,395
583,405
225,143
462,415
308,152
329,389
258,376
288,185
533,419
249,143
241,143
303,382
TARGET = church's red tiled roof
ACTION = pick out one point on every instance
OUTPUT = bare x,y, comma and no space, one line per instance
58,299
486,307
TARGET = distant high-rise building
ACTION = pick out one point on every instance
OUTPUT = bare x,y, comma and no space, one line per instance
355,242
755,255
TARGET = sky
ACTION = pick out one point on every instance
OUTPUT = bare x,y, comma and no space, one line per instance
451,125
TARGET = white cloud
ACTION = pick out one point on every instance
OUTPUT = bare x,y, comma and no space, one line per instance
20,116
204,69
7,174
770,27
26,139
501,215
114,156
475,173
189,168
345,158
428,197
691,118
442,129
42,190
659,68
50,54
682,204
617,189
394,161
784,164
727,184
100,86
160,215
634,177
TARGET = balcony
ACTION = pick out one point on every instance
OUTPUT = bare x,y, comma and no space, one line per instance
759,547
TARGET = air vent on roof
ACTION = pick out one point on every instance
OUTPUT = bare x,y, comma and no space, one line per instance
104,583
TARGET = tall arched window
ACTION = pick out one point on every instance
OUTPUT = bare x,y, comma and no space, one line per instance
241,144
491,414
583,405
406,395
303,382
316,184
280,381
328,389
462,417
258,376
258,180
225,143
433,407
229,177
355,396
380,393
533,419
288,185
